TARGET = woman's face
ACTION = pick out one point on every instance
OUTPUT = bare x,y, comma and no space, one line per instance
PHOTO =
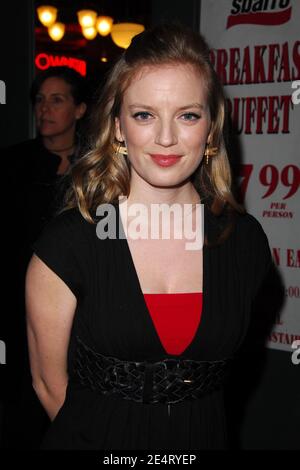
165,122
55,110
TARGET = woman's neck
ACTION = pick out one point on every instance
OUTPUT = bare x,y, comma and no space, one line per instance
186,194
158,202
62,146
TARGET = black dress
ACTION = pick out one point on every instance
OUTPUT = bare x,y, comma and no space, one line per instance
112,319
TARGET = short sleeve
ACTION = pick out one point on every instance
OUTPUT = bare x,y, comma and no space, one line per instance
255,253
61,247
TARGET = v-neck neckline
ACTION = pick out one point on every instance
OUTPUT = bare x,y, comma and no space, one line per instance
142,301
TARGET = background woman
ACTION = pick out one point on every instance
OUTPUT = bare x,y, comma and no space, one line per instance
35,179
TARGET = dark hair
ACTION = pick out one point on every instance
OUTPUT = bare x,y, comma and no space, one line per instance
74,79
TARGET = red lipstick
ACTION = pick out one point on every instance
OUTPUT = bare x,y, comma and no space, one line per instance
165,160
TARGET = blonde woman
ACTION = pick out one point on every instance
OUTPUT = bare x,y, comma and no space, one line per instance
130,335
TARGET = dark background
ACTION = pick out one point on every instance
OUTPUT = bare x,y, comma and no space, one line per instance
270,416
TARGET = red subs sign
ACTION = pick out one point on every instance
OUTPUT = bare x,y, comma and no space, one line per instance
263,12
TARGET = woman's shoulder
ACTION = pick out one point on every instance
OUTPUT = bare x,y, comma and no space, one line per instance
250,237
64,247
253,250
70,226
232,223
248,225
71,218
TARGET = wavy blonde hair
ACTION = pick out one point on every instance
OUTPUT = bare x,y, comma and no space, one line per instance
102,175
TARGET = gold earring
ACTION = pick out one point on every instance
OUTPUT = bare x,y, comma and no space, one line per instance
120,149
210,152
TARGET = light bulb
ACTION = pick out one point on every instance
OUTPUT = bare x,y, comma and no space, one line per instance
56,31
104,25
47,15
122,33
89,33
87,18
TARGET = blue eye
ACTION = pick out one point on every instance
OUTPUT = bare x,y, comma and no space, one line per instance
142,116
191,116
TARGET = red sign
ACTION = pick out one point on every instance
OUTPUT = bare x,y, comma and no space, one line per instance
260,18
43,61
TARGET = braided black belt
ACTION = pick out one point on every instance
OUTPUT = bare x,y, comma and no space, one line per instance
167,381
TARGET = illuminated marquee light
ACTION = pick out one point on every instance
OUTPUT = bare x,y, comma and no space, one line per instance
44,61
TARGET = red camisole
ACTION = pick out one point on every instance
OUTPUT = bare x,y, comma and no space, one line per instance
176,318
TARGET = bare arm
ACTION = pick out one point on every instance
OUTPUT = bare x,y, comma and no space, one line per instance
50,306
